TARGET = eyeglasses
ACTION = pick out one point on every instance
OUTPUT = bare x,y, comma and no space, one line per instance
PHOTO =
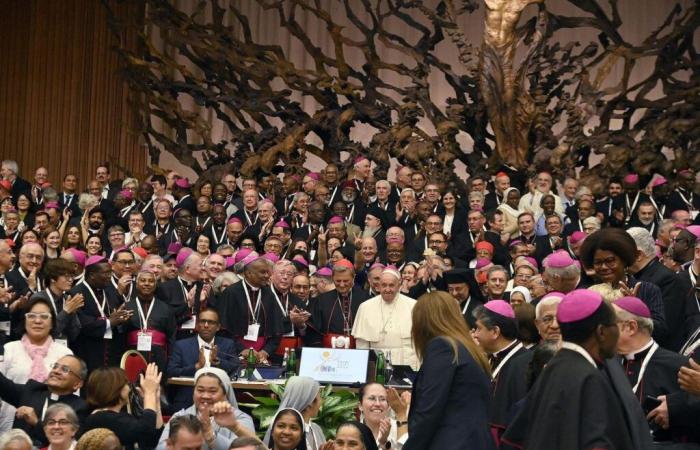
610,261
64,369
208,322
436,241
128,262
62,423
35,316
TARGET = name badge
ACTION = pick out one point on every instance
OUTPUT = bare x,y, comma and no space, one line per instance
5,327
189,325
144,341
108,333
694,214
253,332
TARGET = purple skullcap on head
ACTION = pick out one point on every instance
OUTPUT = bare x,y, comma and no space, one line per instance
182,255
127,194
553,294
282,224
577,236
631,178
482,262
296,177
235,220
117,250
500,307
376,266
240,254
324,272
694,230
183,183
314,176
79,256
174,247
559,260
335,219
633,305
51,205
659,181
514,243
533,262
578,305
300,260
250,258
230,261
272,257
96,259
680,226
359,159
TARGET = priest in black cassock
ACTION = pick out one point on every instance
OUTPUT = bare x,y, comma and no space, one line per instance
578,402
497,333
653,372
334,312
101,340
249,312
151,328
464,288
184,292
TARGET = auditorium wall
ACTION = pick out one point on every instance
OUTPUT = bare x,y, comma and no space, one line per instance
62,102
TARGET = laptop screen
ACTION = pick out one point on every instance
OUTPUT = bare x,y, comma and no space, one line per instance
334,365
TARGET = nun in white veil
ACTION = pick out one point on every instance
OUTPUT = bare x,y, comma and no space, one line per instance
304,395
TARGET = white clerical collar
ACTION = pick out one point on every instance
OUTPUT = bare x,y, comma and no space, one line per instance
631,356
580,350
250,286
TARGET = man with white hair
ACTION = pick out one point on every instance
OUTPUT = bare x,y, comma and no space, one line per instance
561,272
674,287
541,185
183,293
9,170
291,309
384,322
653,374
25,278
384,200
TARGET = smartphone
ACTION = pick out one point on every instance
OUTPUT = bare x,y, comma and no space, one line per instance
650,403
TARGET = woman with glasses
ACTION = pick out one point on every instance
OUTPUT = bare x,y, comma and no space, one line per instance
32,356
60,426
58,275
385,413
611,252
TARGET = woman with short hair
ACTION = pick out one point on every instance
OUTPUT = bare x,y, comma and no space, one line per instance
60,427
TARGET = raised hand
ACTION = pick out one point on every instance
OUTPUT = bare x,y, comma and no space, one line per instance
73,303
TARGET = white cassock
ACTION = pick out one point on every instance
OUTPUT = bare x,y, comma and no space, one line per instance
387,327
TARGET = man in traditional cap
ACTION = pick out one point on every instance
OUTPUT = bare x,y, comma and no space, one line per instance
249,311
335,311
101,340
594,408
653,374
497,333
463,287
561,272
184,293
182,191
384,322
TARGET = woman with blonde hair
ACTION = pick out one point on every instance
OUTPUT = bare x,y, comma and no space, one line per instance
451,393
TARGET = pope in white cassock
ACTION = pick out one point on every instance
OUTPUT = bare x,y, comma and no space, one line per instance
384,322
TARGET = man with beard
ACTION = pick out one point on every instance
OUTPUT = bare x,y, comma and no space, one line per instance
95,222
646,218
249,312
101,340
335,311
683,246
598,411
181,233
216,229
683,196
355,207
610,208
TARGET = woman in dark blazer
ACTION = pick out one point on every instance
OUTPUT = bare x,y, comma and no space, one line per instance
450,400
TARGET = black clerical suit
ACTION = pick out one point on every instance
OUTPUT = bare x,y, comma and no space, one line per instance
37,396
91,345
507,386
236,315
173,293
327,314
160,321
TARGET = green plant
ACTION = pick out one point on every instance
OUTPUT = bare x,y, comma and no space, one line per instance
337,407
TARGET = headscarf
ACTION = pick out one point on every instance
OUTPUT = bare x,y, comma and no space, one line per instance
523,290
505,207
268,437
365,433
299,393
223,378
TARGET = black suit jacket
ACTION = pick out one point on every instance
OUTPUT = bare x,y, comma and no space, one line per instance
440,417
327,315
34,395
20,186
